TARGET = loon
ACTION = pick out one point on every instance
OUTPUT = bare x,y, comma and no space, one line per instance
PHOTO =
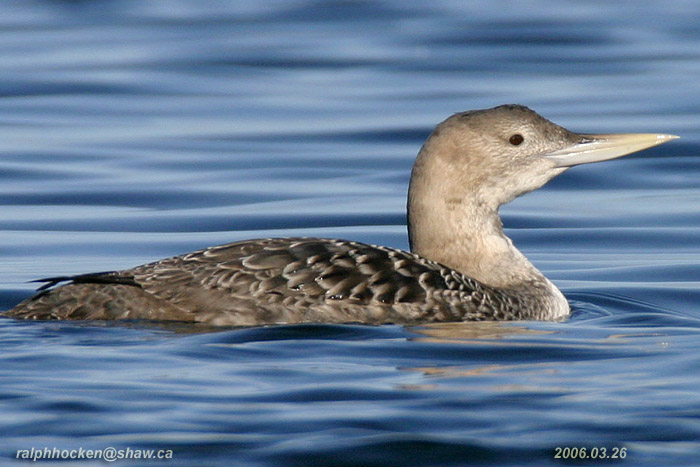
462,266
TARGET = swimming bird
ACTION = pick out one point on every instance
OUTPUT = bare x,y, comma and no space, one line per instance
461,266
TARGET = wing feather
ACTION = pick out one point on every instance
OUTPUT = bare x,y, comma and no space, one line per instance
280,280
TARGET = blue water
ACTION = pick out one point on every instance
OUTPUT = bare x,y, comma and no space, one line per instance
134,130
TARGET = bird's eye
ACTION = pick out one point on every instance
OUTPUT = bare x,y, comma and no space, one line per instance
516,139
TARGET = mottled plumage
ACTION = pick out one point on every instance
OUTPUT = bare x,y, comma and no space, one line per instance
284,280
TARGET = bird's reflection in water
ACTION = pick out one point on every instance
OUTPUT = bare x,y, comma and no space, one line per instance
477,335
462,332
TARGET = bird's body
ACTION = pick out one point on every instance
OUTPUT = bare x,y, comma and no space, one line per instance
462,266
285,280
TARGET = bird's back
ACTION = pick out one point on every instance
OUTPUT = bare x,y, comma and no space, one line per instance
291,280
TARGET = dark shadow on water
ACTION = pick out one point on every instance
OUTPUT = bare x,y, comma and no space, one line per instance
407,449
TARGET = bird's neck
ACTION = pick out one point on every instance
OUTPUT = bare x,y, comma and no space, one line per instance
470,239
454,223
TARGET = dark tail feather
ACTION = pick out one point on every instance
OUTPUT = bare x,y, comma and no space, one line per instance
107,277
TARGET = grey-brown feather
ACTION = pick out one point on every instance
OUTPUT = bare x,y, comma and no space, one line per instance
291,280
